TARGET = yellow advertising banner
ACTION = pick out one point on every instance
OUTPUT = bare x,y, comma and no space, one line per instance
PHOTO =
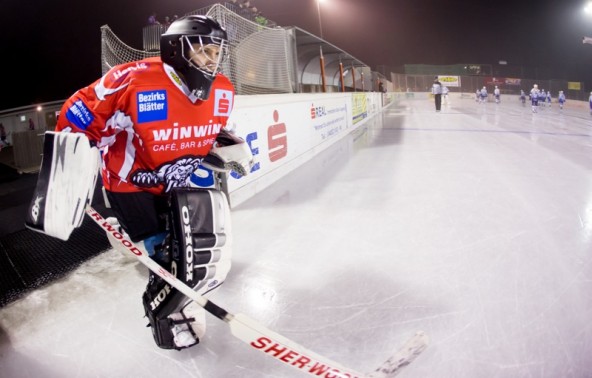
449,81
359,107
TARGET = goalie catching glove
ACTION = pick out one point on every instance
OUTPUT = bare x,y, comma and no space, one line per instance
229,153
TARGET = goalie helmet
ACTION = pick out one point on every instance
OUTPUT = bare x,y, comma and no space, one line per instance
195,46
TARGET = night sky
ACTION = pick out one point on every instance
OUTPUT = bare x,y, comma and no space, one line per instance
52,48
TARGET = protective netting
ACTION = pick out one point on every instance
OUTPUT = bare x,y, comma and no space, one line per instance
261,57
114,51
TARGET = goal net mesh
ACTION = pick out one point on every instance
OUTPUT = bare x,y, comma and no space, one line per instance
261,59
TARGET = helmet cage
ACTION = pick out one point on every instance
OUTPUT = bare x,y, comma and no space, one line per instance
213,57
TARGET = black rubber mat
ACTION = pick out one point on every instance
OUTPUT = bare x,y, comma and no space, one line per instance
7,173
28,259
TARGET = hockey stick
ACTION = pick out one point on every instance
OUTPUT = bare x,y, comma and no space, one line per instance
264,339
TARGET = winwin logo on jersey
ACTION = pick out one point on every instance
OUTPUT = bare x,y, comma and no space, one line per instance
222,102
152,106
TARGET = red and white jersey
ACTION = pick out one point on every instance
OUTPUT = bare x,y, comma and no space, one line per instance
152,132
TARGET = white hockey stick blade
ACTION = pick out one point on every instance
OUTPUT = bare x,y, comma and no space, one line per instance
406,355
243,327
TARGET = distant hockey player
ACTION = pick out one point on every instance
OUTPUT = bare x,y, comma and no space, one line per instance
483,95
534,98
157,121
445,95
548,99
522,97
477,95
496,94
437,92
590,102
561,99
542,97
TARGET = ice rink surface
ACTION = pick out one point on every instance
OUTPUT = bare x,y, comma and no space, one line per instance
473,224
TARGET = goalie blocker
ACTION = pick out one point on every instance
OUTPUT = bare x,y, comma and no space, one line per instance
200,250
65,184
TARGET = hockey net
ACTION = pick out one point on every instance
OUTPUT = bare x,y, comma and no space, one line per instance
261,57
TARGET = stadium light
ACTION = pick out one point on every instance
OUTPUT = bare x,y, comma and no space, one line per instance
588,11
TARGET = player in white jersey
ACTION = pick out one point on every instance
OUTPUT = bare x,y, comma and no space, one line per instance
483,95
534,98
496,94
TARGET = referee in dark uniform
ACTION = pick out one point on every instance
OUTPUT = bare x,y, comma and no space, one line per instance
437,92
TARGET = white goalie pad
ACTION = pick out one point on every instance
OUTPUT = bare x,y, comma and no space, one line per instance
200,257
65,185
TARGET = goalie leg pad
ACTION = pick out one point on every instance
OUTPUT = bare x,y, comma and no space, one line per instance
200,244
201,236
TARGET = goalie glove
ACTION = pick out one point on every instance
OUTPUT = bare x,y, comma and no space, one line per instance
229,153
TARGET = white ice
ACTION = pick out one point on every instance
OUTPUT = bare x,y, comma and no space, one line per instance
473,225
